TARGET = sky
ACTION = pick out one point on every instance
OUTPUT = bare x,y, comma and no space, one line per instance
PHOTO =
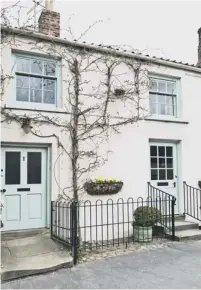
162,28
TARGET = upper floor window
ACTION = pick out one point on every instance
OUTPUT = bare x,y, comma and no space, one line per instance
162,97
36,80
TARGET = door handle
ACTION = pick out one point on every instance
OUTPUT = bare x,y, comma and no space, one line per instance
3,190
174,183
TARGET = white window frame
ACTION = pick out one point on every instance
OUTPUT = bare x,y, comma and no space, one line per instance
32,105
176,100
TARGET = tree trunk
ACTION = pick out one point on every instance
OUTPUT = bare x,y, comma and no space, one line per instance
74,136
75,144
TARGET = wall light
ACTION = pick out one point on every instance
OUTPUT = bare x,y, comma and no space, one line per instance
26,125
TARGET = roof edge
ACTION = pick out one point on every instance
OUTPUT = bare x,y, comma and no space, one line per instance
31,33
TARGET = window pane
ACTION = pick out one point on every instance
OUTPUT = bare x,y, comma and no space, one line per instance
169,174
162,86
153,108
153,85
12,168
153,98
154,174
153,150
162,162
49,97
22,95
161,151
170,111
169,162
161,99
34,167
171,88
162,109
152,103
36,96
49,84
22,81
36,83
154,163
49,68
23,65
169,151
37,66
169,100
162,174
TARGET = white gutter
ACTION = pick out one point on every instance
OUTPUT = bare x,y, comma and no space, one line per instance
30,33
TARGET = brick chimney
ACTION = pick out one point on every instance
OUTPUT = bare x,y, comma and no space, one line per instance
199,48
49,23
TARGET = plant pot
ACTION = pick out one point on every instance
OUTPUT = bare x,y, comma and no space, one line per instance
142,234
101,188
199,184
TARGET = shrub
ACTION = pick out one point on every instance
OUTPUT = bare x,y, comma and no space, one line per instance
146,216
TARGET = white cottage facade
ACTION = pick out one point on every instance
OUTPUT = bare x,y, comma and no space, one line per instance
163,148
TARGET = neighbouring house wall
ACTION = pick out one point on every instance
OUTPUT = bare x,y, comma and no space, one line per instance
129,159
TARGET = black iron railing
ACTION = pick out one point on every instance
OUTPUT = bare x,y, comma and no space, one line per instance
64,224
166,203
192,201
109,223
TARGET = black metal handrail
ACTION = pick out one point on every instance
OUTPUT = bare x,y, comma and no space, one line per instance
166,203
192,201
160,192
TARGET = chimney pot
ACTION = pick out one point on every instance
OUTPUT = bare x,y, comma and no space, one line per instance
199,48
49,23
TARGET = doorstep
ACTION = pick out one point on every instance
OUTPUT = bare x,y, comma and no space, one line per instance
32,255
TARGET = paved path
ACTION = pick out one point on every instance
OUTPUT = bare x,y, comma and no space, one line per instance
176,267
21,257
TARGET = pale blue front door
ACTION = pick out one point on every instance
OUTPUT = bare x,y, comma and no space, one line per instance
23,188
163,168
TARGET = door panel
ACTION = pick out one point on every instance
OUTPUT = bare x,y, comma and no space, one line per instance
23,177
34,212
13,207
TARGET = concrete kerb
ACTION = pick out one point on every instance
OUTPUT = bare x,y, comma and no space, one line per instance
16,274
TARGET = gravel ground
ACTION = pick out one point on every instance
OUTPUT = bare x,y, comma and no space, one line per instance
162,266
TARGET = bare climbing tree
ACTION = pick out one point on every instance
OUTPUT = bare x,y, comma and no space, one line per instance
103,90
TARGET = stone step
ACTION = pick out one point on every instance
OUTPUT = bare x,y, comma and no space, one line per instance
32,255
13,235
179,217
181,225
192,234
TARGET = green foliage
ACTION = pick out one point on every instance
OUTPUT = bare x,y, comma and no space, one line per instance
146,216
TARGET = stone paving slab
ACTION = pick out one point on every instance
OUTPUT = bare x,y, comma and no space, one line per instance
42,246
32,255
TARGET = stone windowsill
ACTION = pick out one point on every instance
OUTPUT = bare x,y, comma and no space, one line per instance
166,120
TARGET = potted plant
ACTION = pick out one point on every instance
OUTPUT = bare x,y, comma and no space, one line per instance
145,217
100,185
199,184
